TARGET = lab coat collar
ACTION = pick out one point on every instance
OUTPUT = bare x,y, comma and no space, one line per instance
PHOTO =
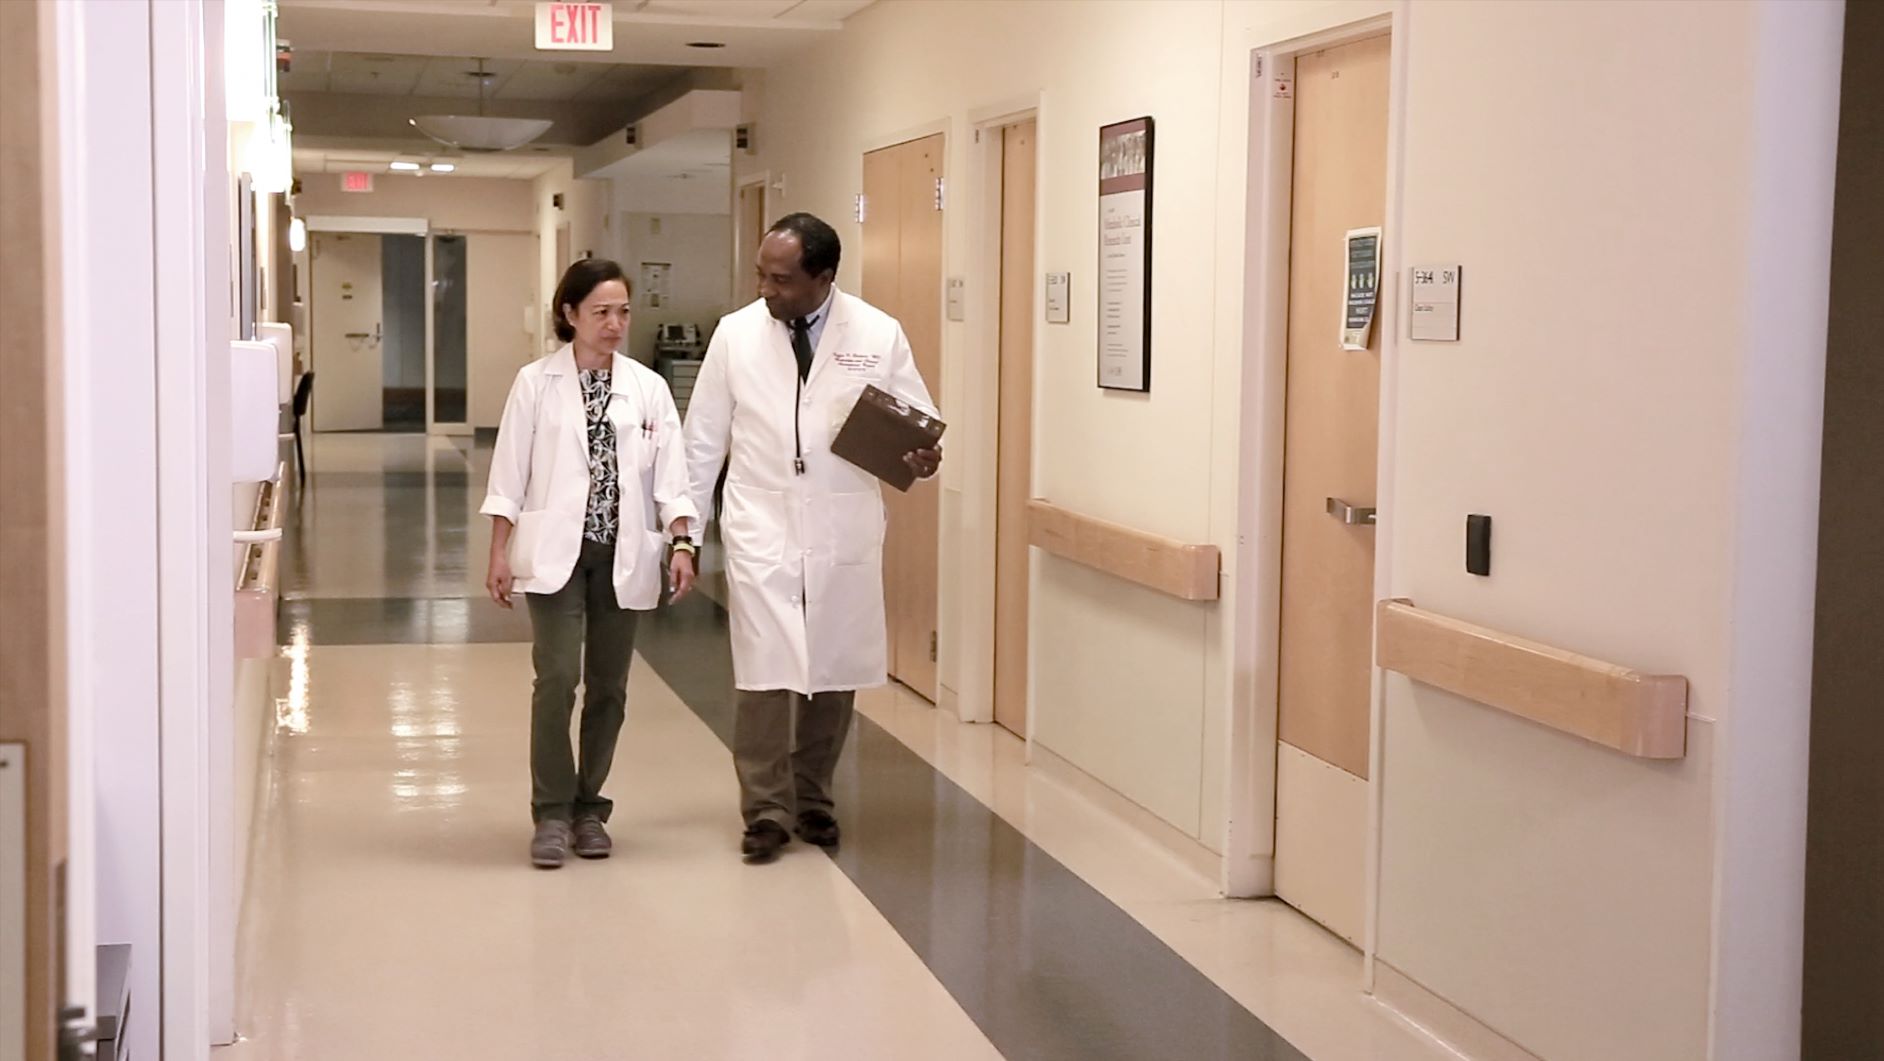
839,309
563,363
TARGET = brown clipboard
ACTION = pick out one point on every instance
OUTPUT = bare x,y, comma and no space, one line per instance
880,430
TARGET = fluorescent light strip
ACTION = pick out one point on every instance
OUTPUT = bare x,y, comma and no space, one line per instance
443,167
406,167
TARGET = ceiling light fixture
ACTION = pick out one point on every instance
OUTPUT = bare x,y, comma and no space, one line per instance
443,167
406,167
479,132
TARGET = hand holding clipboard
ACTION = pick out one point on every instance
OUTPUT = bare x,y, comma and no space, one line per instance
890,439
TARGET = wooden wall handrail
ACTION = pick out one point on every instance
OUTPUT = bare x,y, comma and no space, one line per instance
1644,715
1185,571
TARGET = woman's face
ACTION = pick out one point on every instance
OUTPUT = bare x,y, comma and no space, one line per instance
601,321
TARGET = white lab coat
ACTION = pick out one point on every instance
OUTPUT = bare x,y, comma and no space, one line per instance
804,553
540,467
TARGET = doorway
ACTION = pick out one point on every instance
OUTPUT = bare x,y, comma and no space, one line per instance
749,225
1014,429
1329,490
390,341
902,276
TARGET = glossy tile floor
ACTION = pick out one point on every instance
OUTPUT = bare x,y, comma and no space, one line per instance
979,908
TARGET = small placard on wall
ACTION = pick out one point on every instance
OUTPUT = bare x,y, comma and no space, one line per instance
1059,298
1434,315
957,294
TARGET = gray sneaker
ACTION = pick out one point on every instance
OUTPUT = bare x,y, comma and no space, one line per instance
591,839
550,845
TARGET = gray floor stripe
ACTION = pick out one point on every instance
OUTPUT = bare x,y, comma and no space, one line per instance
1044,964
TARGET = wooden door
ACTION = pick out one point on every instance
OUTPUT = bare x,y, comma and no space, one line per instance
750,224
1330,447
903,277
349,366
33,732
1014,470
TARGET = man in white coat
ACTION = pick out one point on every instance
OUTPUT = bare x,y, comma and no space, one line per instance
802,528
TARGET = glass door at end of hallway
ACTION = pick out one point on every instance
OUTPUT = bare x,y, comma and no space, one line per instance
386,356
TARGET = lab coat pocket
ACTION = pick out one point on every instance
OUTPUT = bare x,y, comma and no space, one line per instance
526,543
752,527
647,578
856,527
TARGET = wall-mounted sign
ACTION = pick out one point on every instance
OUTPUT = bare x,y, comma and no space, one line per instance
1434,313
356,181
575,27
1362,262
654,279
1059,298
1125,157
957,299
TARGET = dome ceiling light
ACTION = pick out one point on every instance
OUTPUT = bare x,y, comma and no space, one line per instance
480,132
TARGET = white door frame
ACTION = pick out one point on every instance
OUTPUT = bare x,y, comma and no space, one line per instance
1257,566
971,644
181,257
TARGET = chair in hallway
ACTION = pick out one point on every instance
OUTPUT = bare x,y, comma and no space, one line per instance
303,392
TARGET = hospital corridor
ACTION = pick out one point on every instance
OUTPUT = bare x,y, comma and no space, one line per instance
941,530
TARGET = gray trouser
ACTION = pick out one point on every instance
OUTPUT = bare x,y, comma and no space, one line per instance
580,633
785,749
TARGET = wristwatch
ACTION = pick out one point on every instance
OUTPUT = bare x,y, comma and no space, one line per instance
683,544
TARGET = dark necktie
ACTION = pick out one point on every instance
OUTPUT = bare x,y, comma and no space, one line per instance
801,346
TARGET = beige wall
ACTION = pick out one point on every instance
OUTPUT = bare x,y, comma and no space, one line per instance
1632,403
1634,400
501,275
699,247
461,204
1123,679
586,210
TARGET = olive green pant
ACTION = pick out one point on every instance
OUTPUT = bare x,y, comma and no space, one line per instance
785,750
580,635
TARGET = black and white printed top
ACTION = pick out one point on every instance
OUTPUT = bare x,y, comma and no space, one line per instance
604,490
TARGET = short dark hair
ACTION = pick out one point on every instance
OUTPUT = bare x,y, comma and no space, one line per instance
578,281
819,247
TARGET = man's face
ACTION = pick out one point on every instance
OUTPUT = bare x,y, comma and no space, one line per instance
789,292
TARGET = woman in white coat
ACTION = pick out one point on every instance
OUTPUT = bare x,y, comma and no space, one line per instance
587,471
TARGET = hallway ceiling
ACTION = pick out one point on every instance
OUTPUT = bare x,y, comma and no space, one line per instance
510,165
755,33
547,79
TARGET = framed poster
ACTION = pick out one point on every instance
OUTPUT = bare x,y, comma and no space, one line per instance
1125,155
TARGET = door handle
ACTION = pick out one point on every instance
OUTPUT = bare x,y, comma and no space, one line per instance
1346,513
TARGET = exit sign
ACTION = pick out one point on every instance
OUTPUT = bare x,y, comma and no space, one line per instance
356,181
575,27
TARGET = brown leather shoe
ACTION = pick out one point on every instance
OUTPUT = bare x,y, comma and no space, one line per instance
591,839
550,846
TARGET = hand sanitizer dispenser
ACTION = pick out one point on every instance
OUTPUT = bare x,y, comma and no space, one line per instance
282,335
254,411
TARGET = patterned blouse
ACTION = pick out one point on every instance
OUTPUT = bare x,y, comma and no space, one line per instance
604,490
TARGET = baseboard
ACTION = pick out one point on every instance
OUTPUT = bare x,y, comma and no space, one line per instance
1182,846
1458,1030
